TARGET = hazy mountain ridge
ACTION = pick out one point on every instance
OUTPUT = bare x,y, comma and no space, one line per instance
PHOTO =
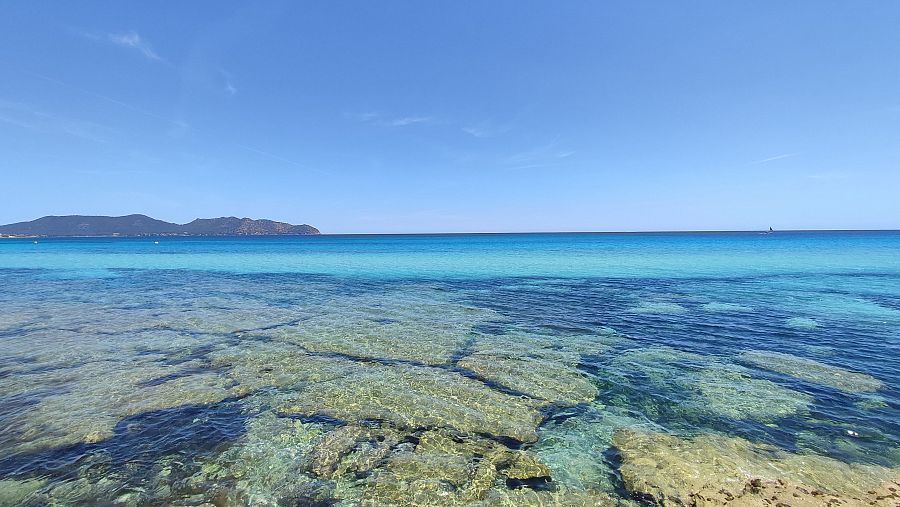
142,225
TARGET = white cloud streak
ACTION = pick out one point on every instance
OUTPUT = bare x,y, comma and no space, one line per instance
29,118
133,40
382,121
280,158
772,159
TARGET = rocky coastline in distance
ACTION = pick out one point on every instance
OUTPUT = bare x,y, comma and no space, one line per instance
142,225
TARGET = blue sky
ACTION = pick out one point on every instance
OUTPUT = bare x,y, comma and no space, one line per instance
455,116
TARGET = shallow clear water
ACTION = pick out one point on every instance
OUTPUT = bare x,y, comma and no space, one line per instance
438,369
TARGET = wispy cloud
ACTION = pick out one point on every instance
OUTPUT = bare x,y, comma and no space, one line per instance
134,41
486,129
279,158
828,175
27,117
546,155
111,100
129,40
772,159
228,85
389,121
178,128
407,120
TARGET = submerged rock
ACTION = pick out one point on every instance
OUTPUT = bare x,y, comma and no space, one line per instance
15,492
713,469
662,307
446,468
801,323
702,384
99,395
576,448
725,307
811,371
729,391
266,467
524,497
420,328
565,349
252,366
544,379
352,449
417,397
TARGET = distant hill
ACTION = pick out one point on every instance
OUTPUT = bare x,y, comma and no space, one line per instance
142,225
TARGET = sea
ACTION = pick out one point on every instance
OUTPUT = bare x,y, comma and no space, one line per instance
448,369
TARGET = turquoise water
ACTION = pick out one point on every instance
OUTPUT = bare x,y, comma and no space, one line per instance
443,369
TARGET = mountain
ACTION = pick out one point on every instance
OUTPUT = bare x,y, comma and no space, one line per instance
142,225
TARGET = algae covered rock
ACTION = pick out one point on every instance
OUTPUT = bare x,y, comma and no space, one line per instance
253,366
524,497
711,469
543,379
729,391
704,385
416,397
801,323
659,307
576,448
99,395
15,492
424,327
351,449
725,307
265,467
448,468
811,371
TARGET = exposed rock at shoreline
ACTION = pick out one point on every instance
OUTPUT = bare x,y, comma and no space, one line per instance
711,469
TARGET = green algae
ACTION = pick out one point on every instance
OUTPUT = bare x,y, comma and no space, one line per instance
530,498
542,379
251,366
425,329
801,323
352,449
730,392
661,307
567,349
575,448
726,307
446,468
266,467
711,469
811,371
99,395
870,404
15,492
414,397
706,385
544,367
409,447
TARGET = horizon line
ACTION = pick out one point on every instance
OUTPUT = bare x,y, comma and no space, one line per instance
697,231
